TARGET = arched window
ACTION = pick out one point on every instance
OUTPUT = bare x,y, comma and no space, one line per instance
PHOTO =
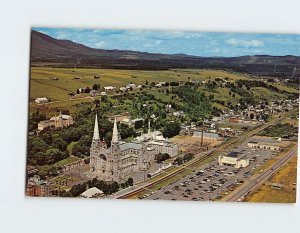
102,156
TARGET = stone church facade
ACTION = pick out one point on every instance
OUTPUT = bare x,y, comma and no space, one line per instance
121,160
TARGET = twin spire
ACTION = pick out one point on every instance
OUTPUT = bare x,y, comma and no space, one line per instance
115,135
96,135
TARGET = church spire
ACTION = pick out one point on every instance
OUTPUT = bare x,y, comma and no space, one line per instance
96,129
115,135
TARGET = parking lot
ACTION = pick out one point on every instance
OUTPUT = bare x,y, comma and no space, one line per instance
212,181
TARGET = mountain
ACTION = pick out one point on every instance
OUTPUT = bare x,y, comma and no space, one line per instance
47,51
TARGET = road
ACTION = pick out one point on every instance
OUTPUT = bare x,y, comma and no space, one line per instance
199,158
259,179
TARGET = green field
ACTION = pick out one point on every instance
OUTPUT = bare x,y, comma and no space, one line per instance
42,84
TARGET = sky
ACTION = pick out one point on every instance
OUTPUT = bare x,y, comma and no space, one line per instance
207,44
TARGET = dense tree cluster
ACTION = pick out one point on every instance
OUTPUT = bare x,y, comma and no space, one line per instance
161,157
181,160
107,188
34,119
171,129
195,103
280,130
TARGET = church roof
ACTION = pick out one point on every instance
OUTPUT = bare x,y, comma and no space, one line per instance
131,145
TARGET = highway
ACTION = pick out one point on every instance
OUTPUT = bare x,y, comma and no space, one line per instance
201,157
258,180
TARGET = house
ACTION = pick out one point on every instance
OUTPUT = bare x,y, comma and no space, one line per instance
178,113
120,117
123,89
41,100
234,119
109,88
93,92
130,85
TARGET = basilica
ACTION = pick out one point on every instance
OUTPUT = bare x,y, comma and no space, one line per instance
122,159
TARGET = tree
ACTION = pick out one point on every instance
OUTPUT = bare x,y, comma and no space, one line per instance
96,87
161,157
58,142
126,131
138,124
130,181
187,157
178,161
171,129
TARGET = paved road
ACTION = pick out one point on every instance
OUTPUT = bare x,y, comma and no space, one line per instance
259,179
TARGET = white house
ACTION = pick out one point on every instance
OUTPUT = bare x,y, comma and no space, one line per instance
130,85
41,100
109,88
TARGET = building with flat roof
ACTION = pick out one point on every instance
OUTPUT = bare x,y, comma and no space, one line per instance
266,143
234,158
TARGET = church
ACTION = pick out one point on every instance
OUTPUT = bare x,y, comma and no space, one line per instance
119,161
123,159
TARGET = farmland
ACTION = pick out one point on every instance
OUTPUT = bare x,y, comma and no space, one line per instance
43,84
57,83
287,177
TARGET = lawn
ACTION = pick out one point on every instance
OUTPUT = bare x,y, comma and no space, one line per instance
70,147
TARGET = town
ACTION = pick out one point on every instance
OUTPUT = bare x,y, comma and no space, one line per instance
114,124
125,137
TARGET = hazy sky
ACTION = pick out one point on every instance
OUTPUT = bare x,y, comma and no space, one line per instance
173,42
